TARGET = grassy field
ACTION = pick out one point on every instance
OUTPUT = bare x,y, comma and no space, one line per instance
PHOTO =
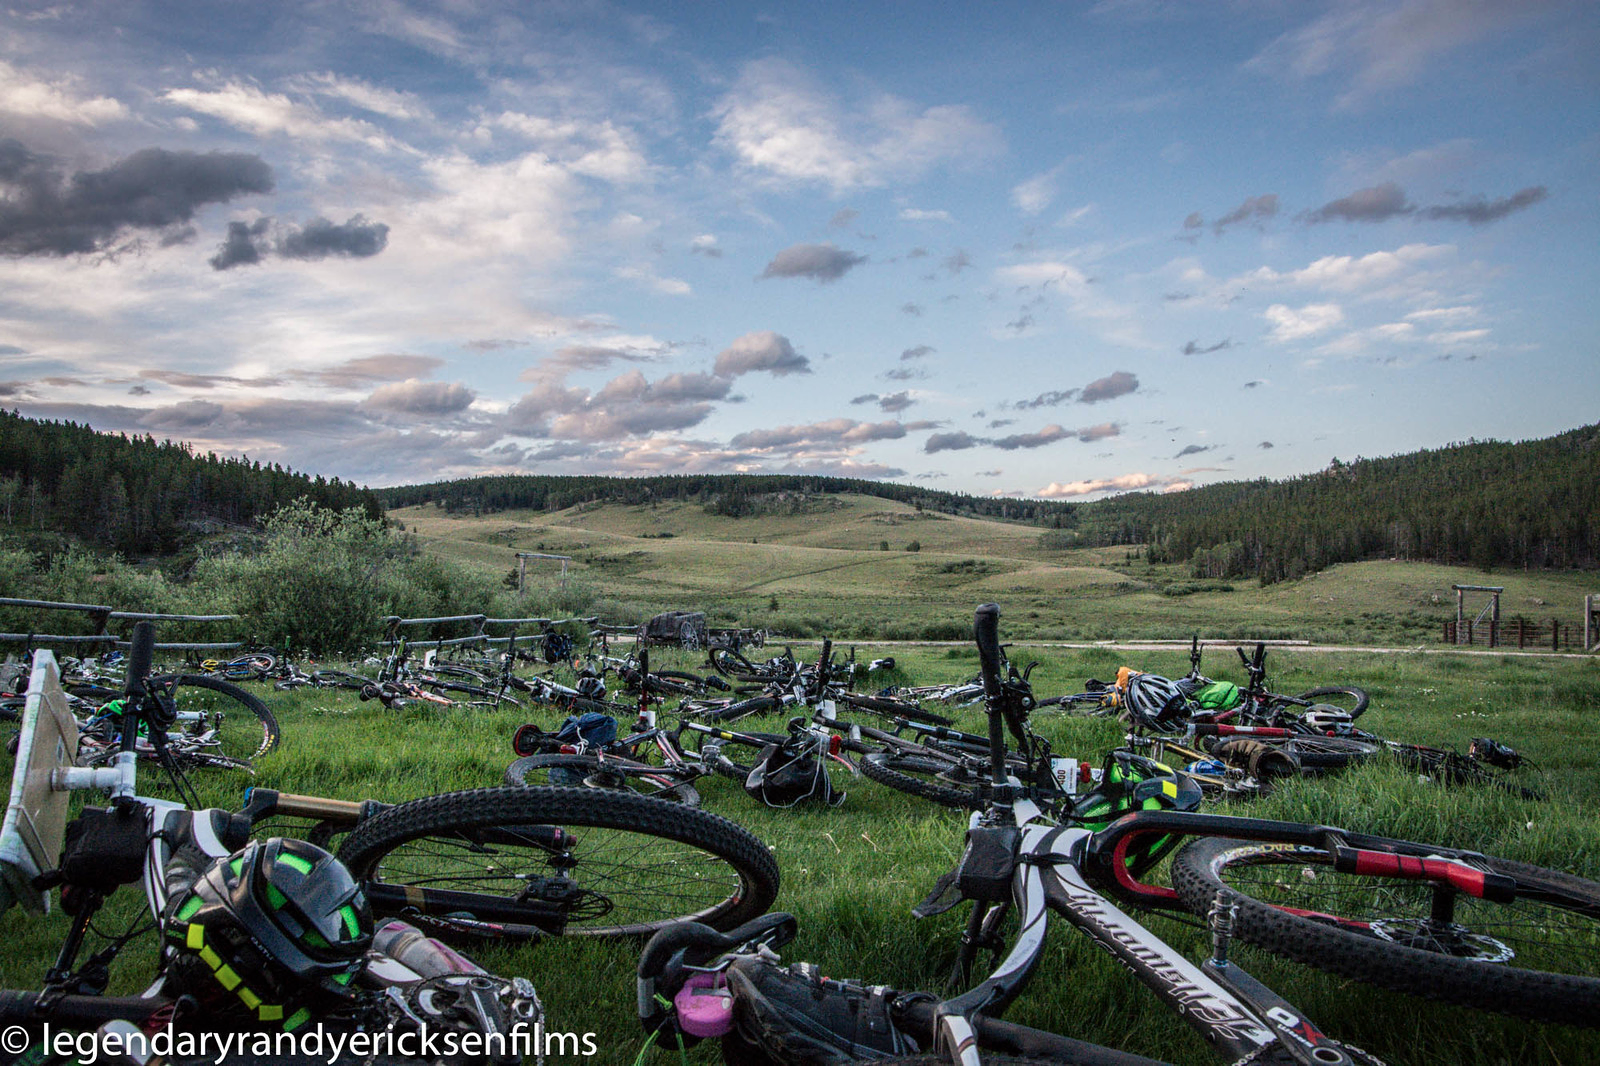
824,571
852,874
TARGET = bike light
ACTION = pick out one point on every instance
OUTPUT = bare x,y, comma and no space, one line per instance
835,744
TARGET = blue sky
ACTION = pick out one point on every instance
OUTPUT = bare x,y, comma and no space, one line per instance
1038,249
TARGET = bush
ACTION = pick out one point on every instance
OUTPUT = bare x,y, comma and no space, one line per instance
325,580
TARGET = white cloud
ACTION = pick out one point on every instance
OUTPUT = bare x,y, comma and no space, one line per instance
1344,273
27,97
777,120
595,149
267,114
1289,324
912,214
1034,195
1382,45
391,103
1121,483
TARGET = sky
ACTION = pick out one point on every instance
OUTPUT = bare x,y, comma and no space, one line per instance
1050,250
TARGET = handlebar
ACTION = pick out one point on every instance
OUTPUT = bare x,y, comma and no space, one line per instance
986,633
76,1012
141,655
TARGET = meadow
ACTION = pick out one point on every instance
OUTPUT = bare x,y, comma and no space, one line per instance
839,566
891,580
852,874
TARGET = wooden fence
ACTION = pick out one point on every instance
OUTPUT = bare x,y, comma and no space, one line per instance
1511,633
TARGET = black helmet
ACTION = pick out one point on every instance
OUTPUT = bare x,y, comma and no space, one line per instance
280,924
1156,703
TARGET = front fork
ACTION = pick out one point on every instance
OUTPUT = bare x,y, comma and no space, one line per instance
1295,1032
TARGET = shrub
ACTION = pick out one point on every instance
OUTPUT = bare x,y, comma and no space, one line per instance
325,580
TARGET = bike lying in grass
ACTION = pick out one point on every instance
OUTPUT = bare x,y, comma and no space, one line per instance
501,863
1441,922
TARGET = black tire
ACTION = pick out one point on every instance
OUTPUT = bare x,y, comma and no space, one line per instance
893,708
246,729
586,771
641,864
924,776
1348,698
1293,903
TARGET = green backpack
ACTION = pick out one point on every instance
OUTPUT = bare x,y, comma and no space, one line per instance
1217,696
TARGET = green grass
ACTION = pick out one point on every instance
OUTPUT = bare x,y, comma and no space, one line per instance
821,572
851,875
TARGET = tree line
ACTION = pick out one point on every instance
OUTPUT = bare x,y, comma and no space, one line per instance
136,495
732,495
1488,504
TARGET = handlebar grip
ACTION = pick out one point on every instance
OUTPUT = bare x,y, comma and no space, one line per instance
986,633
1242,656
141,654
75,1012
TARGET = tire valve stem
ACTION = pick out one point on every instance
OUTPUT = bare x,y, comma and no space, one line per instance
1221,920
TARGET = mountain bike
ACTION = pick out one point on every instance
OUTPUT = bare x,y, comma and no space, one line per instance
1441,922
501,863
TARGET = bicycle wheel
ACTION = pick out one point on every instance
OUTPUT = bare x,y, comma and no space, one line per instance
244,727
488,863
1348,698
941,780
1321,754
1532,956
586,771
893,708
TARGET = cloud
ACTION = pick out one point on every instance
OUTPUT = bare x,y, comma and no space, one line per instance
950,442
1120,383
44,212
866,397
1046,399
267,114
317,239
26,97
1266,444
705,245
1479,212
1048,435
179,379
1376,204
831,433
896,402
1090,434
1193,347
355,373
1034,195
824,262
1343,273
758,351
1122,483
422,397
1255,209
1194,449
917,353
912,214
564,361
1383,45
1289,324
777,121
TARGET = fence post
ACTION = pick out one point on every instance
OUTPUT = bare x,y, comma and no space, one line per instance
1555,634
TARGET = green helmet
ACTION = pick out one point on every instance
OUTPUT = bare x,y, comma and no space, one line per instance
280,924
1132,782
